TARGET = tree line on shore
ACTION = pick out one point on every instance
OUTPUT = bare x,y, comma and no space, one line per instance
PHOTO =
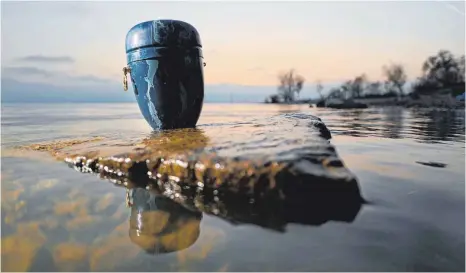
443,72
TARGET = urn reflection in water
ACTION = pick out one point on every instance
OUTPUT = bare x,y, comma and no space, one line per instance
158,225
165,65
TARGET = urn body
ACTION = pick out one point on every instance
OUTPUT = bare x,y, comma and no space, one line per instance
165,64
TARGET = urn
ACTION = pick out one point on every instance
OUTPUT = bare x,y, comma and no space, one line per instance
165,66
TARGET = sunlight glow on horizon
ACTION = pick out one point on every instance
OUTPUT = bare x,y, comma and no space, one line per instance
246,43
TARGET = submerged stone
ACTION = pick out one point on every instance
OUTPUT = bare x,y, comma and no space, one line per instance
281,169
268,172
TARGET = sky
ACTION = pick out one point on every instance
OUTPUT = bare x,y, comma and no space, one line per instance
52,50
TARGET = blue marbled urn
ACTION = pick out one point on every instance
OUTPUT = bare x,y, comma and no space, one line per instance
166,69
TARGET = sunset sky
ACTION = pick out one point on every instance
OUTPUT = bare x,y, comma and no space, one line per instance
244,43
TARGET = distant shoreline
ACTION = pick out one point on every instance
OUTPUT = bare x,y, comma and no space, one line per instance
116,102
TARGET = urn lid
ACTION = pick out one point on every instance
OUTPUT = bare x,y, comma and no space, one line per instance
162,33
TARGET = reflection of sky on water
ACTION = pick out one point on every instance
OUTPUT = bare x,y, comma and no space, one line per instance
425,125
54,218
46,224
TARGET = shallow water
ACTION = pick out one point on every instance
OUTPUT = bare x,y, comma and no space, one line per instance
54,218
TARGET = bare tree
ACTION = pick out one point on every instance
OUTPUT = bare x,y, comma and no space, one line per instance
290,83
335,93
461,71
374,88
319,88
353,88
441,71
395,77
346,90
357,86
444,68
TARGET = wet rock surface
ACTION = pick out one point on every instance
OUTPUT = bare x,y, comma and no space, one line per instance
268,172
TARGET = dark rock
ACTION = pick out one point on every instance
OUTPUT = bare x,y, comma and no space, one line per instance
432,164
283,170
321,103
347,105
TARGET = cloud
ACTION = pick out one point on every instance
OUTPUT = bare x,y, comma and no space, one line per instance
17,91
46,59
26,71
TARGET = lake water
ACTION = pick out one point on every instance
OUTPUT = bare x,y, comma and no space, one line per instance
57,219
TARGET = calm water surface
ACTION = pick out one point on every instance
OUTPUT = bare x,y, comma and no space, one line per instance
54,218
